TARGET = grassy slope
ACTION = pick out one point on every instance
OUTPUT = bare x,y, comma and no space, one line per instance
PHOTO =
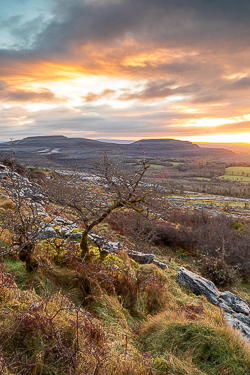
109,317
131,320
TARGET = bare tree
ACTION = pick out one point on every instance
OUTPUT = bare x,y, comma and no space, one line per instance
93,201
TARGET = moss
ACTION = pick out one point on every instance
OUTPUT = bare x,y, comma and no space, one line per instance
77,230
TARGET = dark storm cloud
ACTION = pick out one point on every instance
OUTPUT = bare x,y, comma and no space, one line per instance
164,22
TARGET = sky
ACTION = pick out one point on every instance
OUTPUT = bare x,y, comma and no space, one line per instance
125,69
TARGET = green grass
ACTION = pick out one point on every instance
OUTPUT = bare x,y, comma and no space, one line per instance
202,178
235,178
175,163
237,170
17,268
208,346
237,173
156,166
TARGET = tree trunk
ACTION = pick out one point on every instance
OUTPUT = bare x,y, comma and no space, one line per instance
84,246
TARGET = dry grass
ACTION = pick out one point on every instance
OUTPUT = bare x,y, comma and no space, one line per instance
204,339
109,317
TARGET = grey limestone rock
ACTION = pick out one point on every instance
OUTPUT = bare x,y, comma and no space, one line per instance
199,285
62,221
68,233
243,318
236,323
225,307
137,256
161,265
140,257
76,235
46,233
235,302
236,310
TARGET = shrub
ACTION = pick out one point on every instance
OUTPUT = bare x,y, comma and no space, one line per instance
218,271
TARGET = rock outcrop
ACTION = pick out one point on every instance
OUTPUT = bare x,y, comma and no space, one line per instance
236,310
114,247
236,303
199,285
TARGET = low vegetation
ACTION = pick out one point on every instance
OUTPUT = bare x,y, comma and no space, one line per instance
65,314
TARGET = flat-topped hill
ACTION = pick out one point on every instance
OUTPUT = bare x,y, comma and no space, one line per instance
169,144
58,150
57,141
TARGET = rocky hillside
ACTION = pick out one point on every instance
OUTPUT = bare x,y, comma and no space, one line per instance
122,312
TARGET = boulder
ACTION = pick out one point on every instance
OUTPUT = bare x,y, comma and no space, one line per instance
199,285
114,247
140,257
37,197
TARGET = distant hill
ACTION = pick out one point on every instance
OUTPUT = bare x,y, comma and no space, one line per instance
170,144
60,151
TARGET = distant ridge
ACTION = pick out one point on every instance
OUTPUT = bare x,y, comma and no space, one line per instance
168,143
61,151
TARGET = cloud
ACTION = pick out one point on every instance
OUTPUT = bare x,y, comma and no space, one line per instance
91,97
3,84
26,33
22,96
173,59
161,89
165,22
240,84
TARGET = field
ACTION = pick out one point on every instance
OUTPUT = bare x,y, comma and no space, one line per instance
175,163
202,178
156,166
237,173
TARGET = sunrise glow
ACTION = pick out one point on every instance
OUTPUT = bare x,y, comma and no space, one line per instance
71,72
